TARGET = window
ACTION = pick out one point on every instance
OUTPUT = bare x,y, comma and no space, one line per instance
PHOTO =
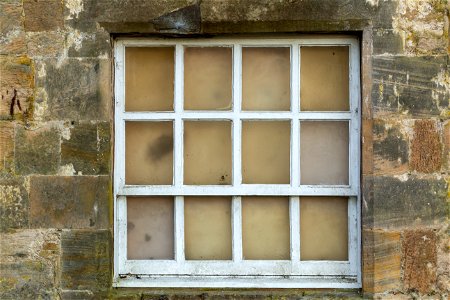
237,162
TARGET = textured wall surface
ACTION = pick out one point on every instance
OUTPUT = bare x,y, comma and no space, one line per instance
56,135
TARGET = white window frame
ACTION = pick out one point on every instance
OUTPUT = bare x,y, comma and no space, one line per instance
238,273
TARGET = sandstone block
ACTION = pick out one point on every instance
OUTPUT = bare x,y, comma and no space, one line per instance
14,204
426,149
43,15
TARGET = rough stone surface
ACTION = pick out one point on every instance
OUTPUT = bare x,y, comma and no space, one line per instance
69,202
86,260
390,148
16,87
45,44
14,204
87,148
37,150
405,85
426,149
12,35
77,89
382,261
29,264
419,260
43,15
6,148
404,202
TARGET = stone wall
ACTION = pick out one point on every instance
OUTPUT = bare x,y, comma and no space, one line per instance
56,137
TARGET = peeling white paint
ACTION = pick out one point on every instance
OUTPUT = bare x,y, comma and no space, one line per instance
65,130
372,2
402,178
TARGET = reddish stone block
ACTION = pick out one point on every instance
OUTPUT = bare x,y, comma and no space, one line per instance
426,150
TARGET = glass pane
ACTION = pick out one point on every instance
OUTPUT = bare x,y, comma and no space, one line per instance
148,152
207,225
323,228
266,152
324,152
265,228
207,78
324,79
149,75
207,152
150,228
266,78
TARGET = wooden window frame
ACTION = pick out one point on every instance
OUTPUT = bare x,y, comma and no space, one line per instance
238,273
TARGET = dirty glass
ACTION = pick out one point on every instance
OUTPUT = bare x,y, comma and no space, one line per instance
266,78
324,79
265,228
207,225
266,152
149,75
207,152
148,152
207,78
323,228
324,152
150,230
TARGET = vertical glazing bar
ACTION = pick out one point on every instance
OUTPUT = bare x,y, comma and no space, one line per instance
178,105
179,229
295,99
353,235
294,215
120,212
237,98
236,216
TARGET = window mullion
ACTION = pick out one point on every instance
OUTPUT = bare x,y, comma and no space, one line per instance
236,216
294,215
178,105
179,229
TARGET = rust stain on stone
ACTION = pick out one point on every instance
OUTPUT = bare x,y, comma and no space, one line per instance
426,152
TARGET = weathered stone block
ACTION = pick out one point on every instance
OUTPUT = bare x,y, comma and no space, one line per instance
87,148
386,41
43,15
419,260
77,89
69,202
382,261
407,85
6,148
14,204
446,141
86,260
426,149
93,43
37,150
391,202
390,148
45,44
12,36
29,264
16,86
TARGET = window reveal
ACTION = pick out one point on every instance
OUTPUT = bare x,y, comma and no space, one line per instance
237,160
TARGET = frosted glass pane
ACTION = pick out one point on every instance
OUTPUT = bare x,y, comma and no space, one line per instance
149,75
207,78
266,152
266,78
150,228
324,152
324,79
207,223
323,228
148,152
207,152
265,228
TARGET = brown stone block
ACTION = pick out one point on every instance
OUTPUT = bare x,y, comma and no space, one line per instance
16,86
43,15
367,147
426,149
29,269
390,148
6,147
381,261
69,201
419,260
45,44
86,260
88,148
446,140
11,29
37,150
14,204
77,89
